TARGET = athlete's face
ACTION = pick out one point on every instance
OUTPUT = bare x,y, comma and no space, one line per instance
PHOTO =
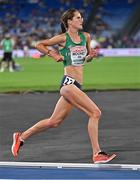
77,21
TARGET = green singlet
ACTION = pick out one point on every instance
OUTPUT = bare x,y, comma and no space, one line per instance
7,45
74,53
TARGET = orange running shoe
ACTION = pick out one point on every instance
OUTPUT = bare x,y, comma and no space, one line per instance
17,143
103,157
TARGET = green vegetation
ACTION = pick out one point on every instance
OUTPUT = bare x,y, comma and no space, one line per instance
45,75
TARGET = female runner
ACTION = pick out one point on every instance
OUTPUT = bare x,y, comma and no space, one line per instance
74,51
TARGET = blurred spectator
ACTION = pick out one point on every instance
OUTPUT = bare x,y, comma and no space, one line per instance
7,45
25,50
32,20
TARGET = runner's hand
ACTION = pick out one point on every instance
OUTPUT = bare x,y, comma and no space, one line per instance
55,56
93,54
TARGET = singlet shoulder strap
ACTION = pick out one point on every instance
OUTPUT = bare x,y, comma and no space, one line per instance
82,35
68,38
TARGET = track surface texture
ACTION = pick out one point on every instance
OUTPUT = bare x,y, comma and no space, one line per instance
119,128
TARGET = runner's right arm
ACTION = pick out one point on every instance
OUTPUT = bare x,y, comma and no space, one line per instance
43,45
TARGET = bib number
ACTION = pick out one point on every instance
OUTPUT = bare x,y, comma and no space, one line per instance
68,80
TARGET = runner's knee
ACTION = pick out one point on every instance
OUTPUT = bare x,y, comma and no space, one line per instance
96,114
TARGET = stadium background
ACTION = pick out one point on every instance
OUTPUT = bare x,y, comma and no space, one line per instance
113,24
116,26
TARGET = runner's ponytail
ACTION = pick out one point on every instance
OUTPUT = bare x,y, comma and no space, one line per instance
63,28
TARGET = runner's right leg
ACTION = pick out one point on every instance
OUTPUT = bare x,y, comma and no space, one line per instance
62,109
80,100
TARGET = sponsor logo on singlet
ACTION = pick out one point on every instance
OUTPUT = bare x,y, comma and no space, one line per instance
78,53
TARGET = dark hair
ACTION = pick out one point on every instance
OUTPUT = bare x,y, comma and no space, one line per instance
69,14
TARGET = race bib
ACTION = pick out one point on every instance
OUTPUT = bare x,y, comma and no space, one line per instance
78,53
68,80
